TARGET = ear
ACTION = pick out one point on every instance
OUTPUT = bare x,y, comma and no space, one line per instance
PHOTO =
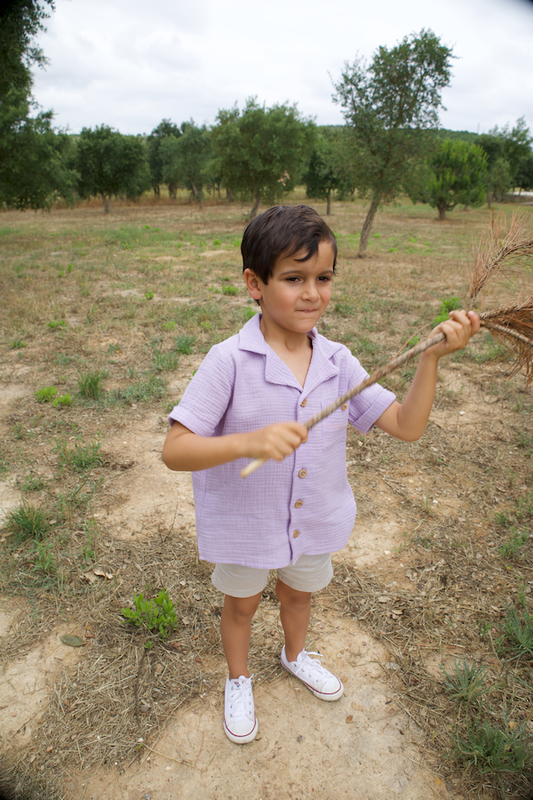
253,284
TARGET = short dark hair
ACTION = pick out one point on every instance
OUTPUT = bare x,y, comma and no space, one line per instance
283,231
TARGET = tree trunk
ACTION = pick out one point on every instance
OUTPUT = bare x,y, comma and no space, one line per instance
107,203
253,210
328,207
197,195
367,227
442,212
229,195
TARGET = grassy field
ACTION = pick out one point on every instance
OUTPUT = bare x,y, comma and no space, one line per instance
105,319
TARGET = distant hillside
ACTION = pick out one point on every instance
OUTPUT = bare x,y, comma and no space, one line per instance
465,136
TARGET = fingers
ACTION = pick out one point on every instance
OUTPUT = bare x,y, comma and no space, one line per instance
458,329
279,441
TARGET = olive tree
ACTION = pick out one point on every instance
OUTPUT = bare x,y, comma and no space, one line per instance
261,152
390,106
459,171
111,164
185,160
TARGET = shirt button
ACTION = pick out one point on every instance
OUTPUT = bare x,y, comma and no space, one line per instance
344,407
302,473
298,504
295,534
303,403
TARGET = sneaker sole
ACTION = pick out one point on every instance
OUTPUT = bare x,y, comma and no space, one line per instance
246,737
321,695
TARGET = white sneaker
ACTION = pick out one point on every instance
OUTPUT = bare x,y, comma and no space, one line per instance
240,722
317,678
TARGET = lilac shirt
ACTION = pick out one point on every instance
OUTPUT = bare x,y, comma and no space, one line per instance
303,504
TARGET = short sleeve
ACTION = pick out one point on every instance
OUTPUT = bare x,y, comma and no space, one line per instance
206,398
368,406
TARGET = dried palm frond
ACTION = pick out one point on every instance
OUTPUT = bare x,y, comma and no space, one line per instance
494,254
511,325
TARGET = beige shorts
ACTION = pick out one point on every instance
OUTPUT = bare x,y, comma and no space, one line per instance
309,574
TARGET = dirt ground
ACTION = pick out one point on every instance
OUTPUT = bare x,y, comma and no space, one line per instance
412,592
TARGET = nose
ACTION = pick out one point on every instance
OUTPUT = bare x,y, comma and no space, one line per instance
310,291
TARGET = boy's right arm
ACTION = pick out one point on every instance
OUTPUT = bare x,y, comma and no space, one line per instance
186,451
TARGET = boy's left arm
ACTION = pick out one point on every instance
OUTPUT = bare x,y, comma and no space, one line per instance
408,420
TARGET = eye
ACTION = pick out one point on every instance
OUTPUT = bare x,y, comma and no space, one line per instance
324,278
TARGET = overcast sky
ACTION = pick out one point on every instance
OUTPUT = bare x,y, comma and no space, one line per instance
131,63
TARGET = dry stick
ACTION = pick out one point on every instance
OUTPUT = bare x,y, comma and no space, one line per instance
379,374
374,378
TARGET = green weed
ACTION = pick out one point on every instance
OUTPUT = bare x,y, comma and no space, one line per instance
157,615
44,558
63,401
56,324
46,394
511,548
446,305
17,344
230,290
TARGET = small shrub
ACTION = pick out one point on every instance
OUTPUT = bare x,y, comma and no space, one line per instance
46,394
216,242
27,522
230,290
157,615
149,295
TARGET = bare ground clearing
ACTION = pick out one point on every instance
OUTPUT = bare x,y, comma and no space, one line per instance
441,550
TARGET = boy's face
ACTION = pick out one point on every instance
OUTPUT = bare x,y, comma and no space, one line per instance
298,292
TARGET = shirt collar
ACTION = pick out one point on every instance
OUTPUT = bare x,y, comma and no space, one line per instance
321,368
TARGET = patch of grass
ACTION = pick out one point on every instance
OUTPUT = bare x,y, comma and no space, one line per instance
90,384
185,344
27,522
493,750
144,390
56,324
81,458
165,361
44,558
467,681
511,548
518,631
17,344
230,290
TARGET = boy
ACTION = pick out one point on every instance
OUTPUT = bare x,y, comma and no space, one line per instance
296,510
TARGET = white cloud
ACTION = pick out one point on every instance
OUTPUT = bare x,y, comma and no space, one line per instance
129,64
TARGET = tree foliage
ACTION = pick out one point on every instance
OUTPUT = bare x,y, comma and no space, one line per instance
459,171
389,107
111,164
20,21
164,129
509,156
329,170
185,160
35,161
262,152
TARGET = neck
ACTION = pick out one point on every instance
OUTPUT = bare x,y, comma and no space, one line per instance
279,338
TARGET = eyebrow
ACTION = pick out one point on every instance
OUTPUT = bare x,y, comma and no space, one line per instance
301,271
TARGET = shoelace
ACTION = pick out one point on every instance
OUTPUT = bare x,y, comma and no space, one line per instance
312,665
241,699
